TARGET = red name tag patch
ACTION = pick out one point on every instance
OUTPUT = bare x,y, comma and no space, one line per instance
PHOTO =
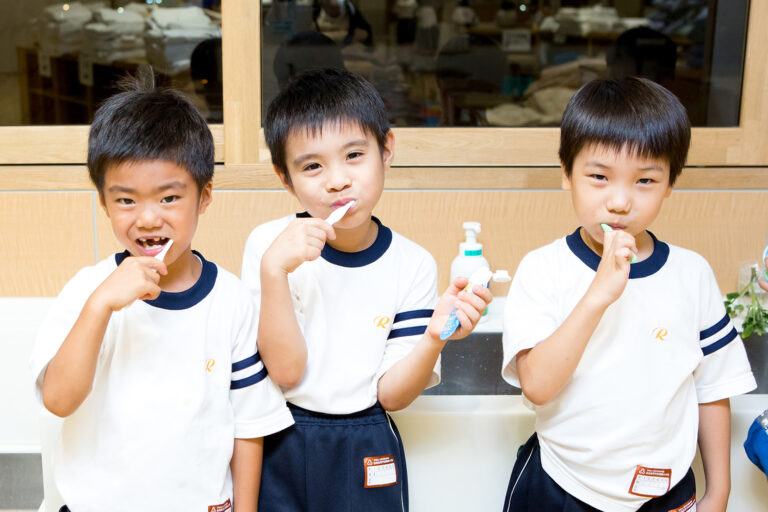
224,507
379,471
650,482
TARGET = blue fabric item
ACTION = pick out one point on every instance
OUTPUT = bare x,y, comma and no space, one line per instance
720,343
246,363
531,489
756,446
317,465
706,333
407,331
416,313
249,381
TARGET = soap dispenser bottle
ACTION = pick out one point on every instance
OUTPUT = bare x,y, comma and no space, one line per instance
470,256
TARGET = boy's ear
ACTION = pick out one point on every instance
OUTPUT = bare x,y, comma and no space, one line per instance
283,179
566,181
206,196
668,192
388,153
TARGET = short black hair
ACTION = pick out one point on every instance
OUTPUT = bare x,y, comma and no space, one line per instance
148,123
630,112
317,97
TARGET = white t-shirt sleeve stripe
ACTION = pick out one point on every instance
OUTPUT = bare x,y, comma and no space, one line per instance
246,363
410,323
724,371
240,377
717,345
406,331
711,331
409,315
413,315
259,407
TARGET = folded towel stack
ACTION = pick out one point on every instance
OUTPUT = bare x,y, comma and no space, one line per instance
173,34
116,34
60,28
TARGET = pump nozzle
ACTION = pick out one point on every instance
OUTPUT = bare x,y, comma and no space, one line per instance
471,230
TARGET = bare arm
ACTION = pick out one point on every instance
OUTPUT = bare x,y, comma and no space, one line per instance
715,447
246,473
547,367
281,343
69,376
402,383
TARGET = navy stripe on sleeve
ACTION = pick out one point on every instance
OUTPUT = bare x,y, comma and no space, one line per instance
416,313
406,331
720,343
249,381
246,363
706,333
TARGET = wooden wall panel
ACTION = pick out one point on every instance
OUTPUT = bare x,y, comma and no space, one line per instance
46,238
262,177
726,227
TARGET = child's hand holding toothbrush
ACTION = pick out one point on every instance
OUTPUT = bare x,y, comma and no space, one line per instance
303,240
468,307
136,278
619,249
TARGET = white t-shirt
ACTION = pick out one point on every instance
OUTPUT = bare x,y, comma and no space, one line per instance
665,346
177,380
360,313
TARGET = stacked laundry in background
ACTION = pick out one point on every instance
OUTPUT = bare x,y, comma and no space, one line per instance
572,21
173,34
116,34
60,27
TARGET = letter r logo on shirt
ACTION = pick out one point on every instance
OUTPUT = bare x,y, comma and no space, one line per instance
381,321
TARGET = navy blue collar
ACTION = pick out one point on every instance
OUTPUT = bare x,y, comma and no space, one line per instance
189,297
645,268
362,258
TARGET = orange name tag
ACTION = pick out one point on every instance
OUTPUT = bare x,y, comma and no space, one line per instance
224,507
379,471
650,482
688,506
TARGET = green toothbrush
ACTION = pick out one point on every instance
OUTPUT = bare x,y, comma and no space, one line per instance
608,228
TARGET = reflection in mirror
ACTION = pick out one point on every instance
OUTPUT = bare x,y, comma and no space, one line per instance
60,60
510,62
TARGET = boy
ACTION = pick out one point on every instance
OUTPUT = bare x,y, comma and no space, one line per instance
622,362
347,325
153,364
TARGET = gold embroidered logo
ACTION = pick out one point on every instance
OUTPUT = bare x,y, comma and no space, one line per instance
659,333
381,321
209,365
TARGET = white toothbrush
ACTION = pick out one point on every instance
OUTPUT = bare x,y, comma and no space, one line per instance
339,213
161,255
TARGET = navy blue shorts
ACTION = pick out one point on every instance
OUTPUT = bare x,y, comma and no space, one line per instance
532,490
335,463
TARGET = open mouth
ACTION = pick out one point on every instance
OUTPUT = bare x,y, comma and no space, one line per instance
153,242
